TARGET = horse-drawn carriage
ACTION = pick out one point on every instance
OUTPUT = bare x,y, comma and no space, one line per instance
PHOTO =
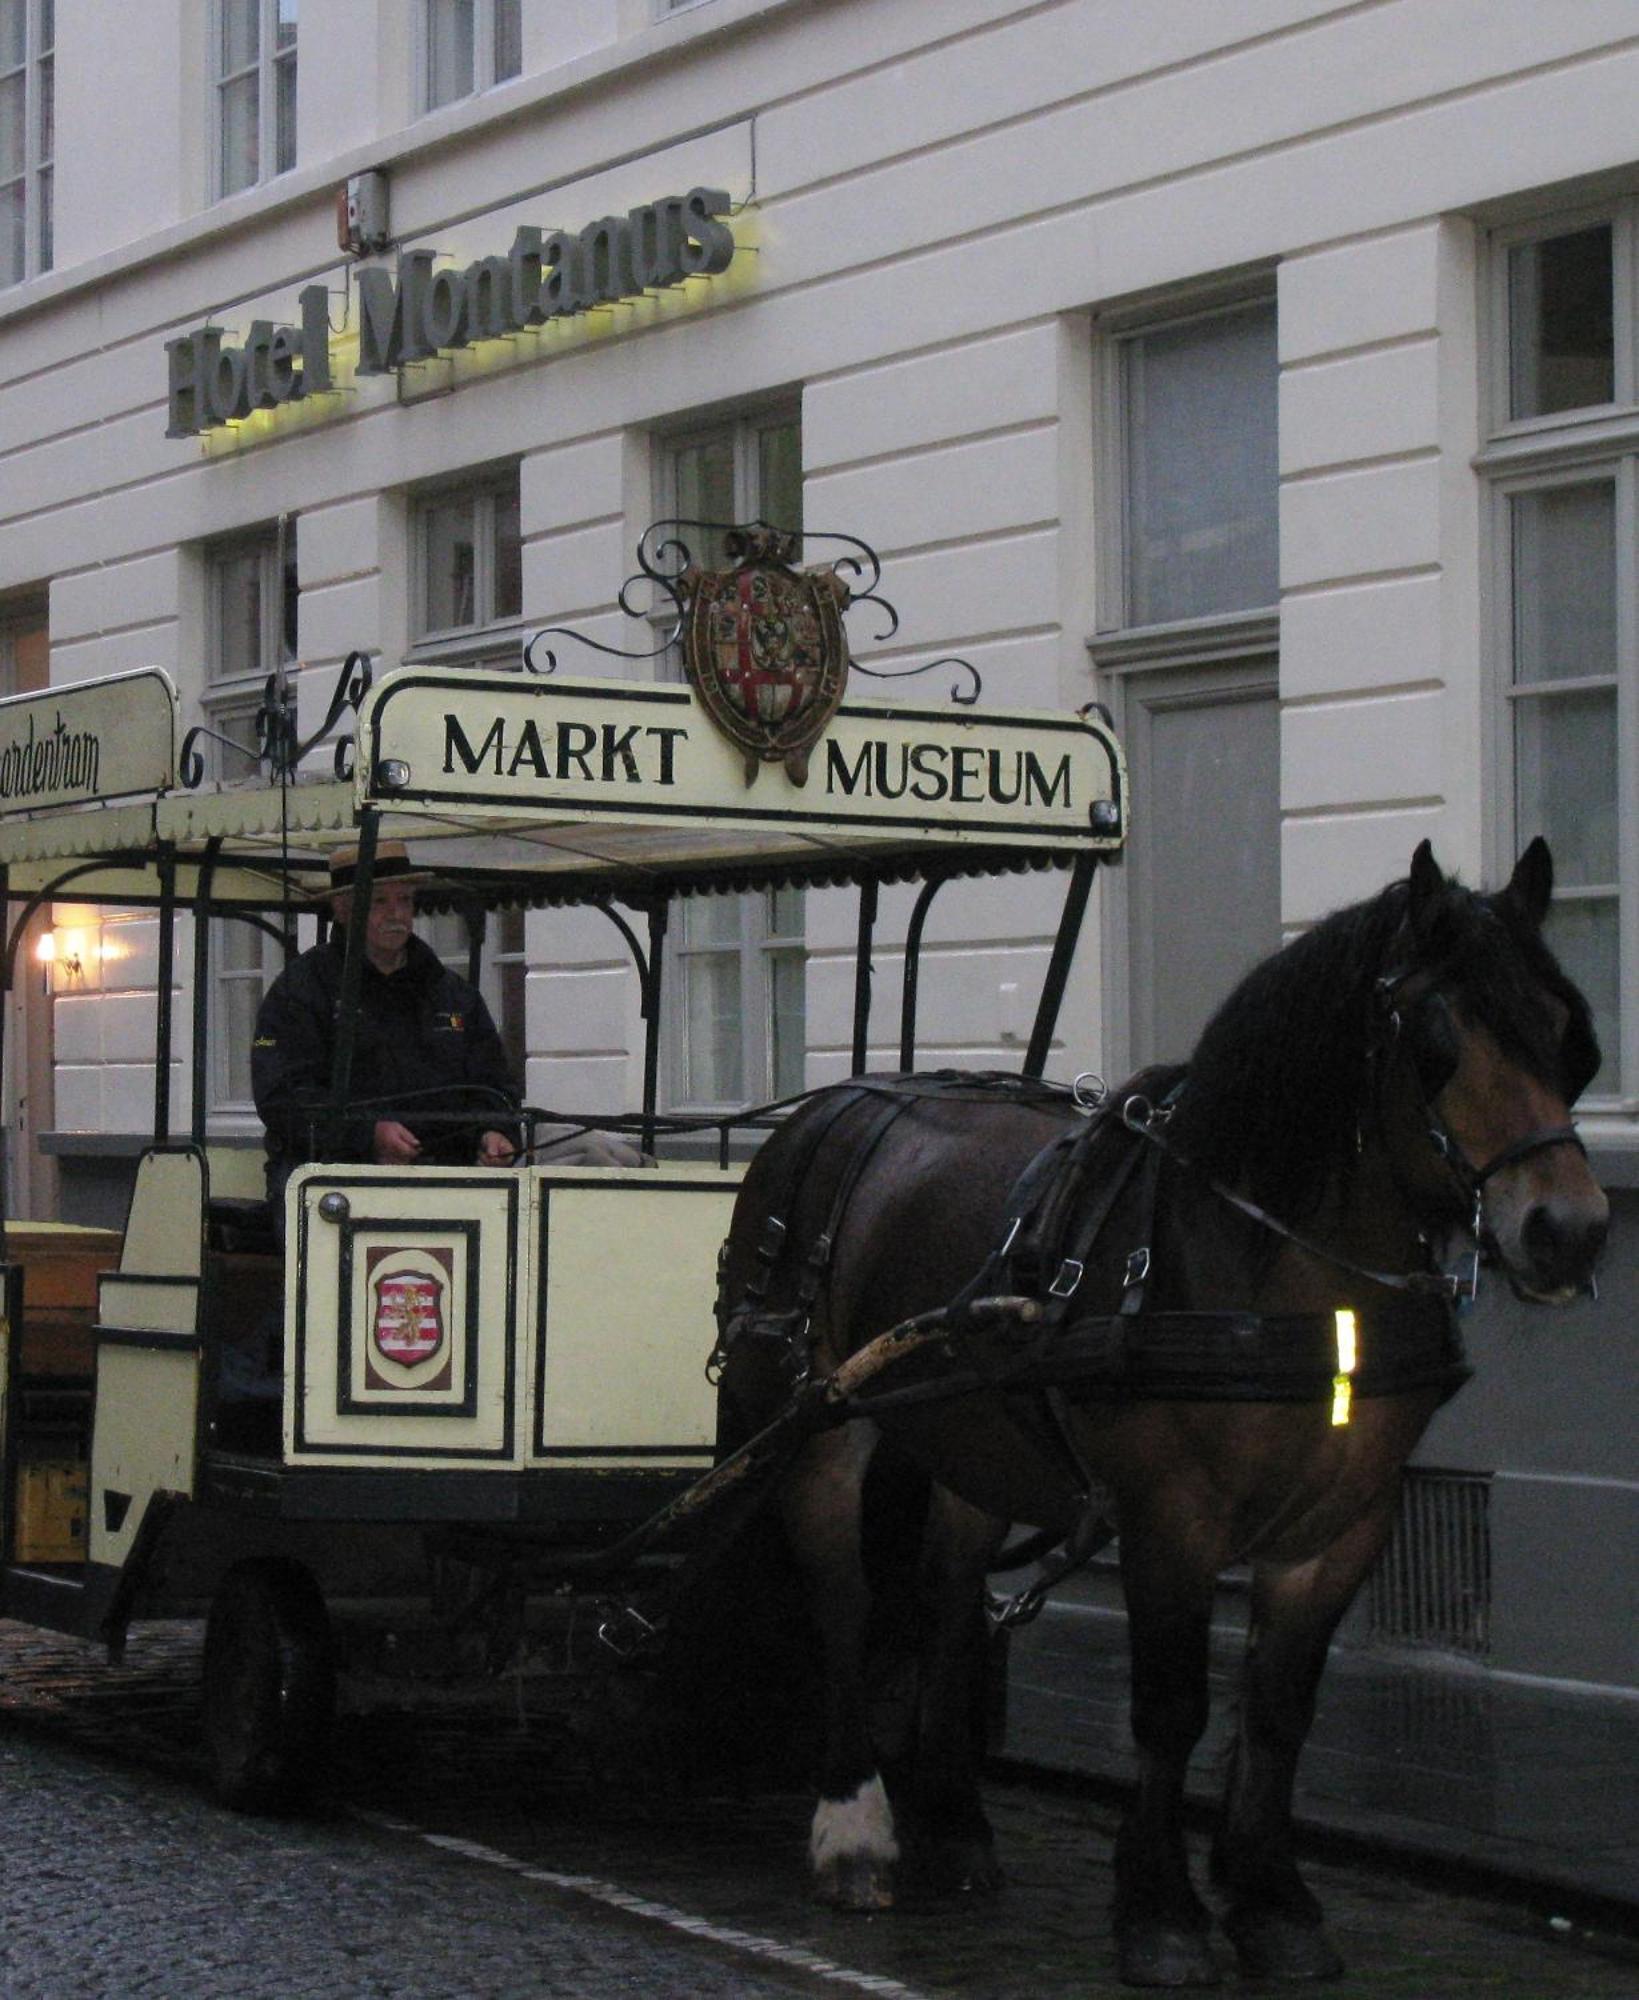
1215,1317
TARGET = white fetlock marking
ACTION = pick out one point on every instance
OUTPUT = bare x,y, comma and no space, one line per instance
858,1828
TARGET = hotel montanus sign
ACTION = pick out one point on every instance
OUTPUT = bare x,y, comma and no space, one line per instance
71,745
428,309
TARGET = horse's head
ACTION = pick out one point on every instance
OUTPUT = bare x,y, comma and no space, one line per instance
1487,1044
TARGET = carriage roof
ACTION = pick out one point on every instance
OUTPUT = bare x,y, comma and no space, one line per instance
509,787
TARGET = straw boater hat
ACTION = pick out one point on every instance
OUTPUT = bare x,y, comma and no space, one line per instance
393,864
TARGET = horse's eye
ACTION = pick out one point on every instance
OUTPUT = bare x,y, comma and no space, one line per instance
1434,1044
1579,1058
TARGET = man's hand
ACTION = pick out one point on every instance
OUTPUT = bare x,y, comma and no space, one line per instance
495,1149
395,1145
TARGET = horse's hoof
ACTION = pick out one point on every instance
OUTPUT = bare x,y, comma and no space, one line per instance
1278,1947
1153,1954
856,1882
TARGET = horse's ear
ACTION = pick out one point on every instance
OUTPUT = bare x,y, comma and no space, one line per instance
1532,883
1428,888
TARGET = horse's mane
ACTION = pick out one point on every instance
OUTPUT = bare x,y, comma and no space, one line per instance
1277,1087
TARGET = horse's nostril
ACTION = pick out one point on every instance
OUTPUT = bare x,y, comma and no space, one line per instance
1563,1243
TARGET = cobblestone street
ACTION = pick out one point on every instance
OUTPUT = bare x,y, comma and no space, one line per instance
459,1861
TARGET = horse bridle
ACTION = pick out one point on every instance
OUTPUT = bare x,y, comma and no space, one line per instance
1394,1012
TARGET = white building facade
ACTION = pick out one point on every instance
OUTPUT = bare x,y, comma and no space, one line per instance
1267,370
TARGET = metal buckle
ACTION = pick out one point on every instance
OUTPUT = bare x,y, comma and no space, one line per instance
627,1633
1069,1277
1138,1268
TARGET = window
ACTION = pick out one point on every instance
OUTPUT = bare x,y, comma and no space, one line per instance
27,137
1567,499
255,78
737,962
1189,661
250,612
468,570
470,44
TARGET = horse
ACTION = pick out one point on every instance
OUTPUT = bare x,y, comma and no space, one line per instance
1137,1317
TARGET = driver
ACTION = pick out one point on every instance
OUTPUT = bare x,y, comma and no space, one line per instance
425,1047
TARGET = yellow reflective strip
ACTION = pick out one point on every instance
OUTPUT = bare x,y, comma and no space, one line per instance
1342,1388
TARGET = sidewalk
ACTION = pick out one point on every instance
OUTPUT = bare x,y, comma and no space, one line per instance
1426,1756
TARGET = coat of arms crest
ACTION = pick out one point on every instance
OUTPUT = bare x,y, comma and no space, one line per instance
407,1325
765,650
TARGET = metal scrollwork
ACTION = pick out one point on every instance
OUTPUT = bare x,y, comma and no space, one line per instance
277,743
666,561
964,694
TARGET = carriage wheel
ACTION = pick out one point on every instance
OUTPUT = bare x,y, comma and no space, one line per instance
270,1685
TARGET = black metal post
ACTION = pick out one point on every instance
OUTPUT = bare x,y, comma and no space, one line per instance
201,986
476,918
352,973
913,970
164,1009
862,974
1058,966
659,919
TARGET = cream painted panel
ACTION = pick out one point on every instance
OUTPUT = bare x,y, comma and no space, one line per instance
121,452
624,1339
347,1401
569,484
1360,635
1359,523
1175,124
166,1305
984,487
142,591
78,1105
128,1026
339,542
335,618
1343,857
77,1028
951,595
1369,752
1368,406
583,1013
143,1437
1358,293
964,994
582,1084
90,659
1003,73
164,1232
582,570
998,381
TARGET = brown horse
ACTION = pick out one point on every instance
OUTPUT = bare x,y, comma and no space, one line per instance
1389,1089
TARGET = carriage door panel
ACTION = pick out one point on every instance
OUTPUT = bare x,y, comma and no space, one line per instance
627,1272
400,1331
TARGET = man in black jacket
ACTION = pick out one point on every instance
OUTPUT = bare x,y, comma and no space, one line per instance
427,1060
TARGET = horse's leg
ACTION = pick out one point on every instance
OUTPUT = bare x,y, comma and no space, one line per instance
949,1811
1161,1925
1273,1918
852,1847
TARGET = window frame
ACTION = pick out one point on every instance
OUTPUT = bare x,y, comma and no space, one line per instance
758,946
36,173
268,65
489,638
1519,456
224,698
1227,655
485,43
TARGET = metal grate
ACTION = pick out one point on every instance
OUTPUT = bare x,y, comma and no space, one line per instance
1432,1584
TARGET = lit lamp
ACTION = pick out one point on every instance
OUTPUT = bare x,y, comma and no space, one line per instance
68,961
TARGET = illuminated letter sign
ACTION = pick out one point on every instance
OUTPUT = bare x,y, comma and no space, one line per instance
212,384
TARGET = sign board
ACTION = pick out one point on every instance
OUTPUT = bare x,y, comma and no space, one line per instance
95,740
594,750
